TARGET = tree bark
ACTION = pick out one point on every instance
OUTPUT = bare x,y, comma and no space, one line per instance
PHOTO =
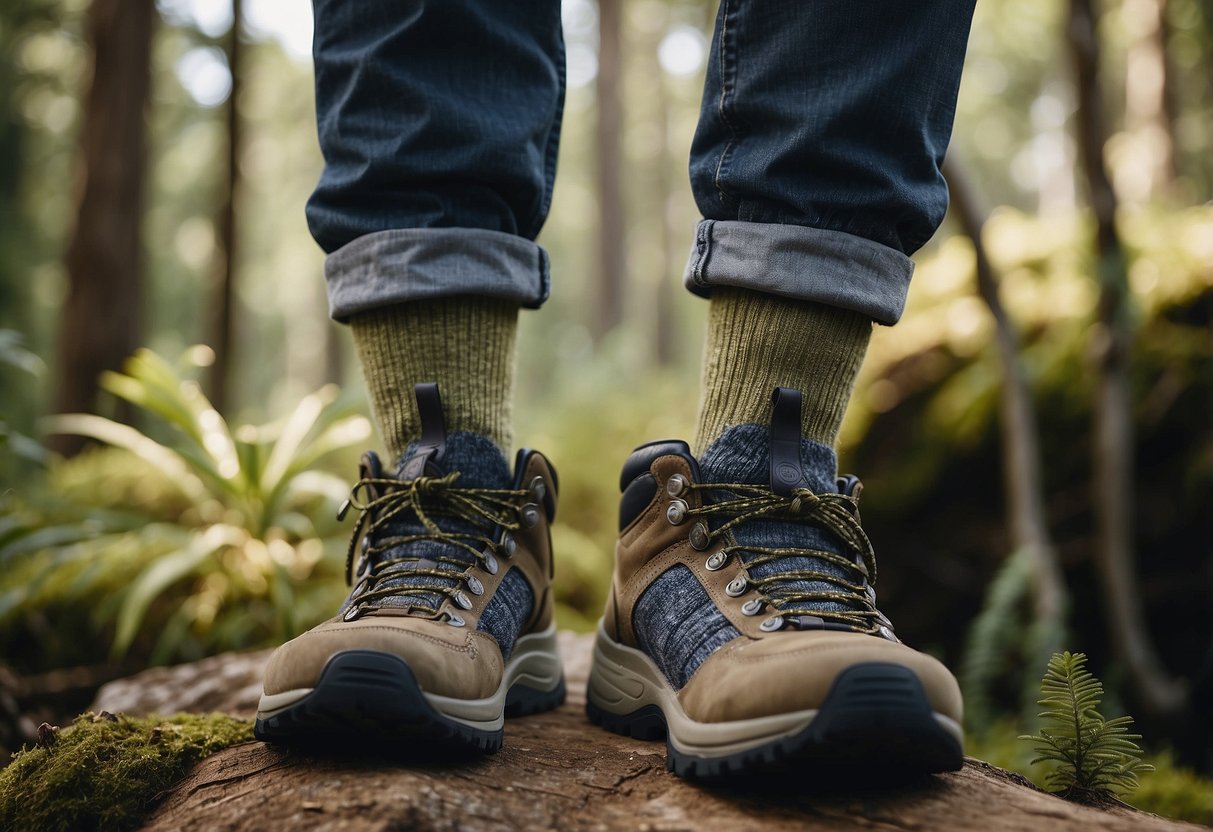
611,271
556,772
101,322
1020,431
1158,692
222,304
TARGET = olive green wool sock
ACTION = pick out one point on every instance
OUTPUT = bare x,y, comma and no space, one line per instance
757,342
465,343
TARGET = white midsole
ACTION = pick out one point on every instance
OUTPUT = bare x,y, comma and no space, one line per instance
535,662
623,680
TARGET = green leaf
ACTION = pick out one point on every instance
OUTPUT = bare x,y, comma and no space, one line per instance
166,571
169,461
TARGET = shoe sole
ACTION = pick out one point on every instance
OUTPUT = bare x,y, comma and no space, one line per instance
371,694
875,719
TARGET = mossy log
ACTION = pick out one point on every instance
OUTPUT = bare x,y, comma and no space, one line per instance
556,772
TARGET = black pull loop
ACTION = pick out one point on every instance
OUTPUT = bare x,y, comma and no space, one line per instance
430,446
786,473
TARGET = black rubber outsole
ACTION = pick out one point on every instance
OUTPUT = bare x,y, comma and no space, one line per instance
876,719
368,694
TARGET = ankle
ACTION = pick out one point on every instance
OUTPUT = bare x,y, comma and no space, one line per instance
757,342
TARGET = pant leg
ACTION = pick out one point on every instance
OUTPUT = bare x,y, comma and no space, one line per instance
816,163
439,122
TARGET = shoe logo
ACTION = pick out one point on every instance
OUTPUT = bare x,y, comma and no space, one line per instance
787,473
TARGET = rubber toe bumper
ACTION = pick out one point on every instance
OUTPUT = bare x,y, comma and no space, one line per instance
368,694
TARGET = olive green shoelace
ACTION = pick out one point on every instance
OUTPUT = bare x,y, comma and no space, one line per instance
837,513
422,500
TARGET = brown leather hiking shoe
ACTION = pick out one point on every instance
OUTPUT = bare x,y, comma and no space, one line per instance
449,625
760,656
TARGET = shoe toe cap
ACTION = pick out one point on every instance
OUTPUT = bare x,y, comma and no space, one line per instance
446,661
751,678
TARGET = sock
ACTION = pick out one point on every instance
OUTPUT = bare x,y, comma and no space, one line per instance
757,342
464,343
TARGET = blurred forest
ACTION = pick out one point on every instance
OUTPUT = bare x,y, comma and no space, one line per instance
1036,436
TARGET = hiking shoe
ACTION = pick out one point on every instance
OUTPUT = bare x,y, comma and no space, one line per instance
742,625
449,625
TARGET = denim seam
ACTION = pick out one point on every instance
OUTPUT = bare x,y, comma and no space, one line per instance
727,83
552,152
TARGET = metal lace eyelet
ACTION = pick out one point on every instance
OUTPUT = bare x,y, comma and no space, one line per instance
752,607
353,613
716,561
538,489
699,537
888,633
474,585
490,563
529,515
508,545
366,544
462,600
770,625
736,587
677,512
675,485
454,620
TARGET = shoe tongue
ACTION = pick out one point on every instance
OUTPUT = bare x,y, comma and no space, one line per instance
480,464
742,454
477,458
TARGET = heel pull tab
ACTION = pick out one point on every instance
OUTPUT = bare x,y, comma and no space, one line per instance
430,447
786,473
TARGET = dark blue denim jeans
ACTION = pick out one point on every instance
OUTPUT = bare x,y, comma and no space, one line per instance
815,163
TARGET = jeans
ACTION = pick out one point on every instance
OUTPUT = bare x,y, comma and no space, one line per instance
815,165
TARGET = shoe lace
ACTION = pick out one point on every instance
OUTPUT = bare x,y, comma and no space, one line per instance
425,499
837,513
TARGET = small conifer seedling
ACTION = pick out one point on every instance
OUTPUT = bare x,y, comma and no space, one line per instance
1096,757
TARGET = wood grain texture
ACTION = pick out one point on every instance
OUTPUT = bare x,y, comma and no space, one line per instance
556,772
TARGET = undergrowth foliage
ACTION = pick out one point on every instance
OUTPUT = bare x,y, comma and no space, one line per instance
188,535
1094,755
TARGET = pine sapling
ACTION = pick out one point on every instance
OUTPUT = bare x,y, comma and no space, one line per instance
1096,757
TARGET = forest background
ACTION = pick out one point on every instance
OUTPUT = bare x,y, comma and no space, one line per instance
1036,436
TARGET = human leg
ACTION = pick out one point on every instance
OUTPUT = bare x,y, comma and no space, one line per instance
439,123
742,606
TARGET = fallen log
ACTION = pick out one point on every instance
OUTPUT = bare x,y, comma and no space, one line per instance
556,772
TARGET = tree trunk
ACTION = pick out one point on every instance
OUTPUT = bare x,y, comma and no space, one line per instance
665,323
101,323
1147,109
222,304
1159,694
611,273
1020,432
557,771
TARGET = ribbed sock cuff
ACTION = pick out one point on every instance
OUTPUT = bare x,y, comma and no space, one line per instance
757,342
465,344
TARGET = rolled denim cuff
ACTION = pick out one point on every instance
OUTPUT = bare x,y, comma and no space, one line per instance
404,264
801,262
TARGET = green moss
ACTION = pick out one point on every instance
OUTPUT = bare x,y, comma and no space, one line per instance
1175,792
105,772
